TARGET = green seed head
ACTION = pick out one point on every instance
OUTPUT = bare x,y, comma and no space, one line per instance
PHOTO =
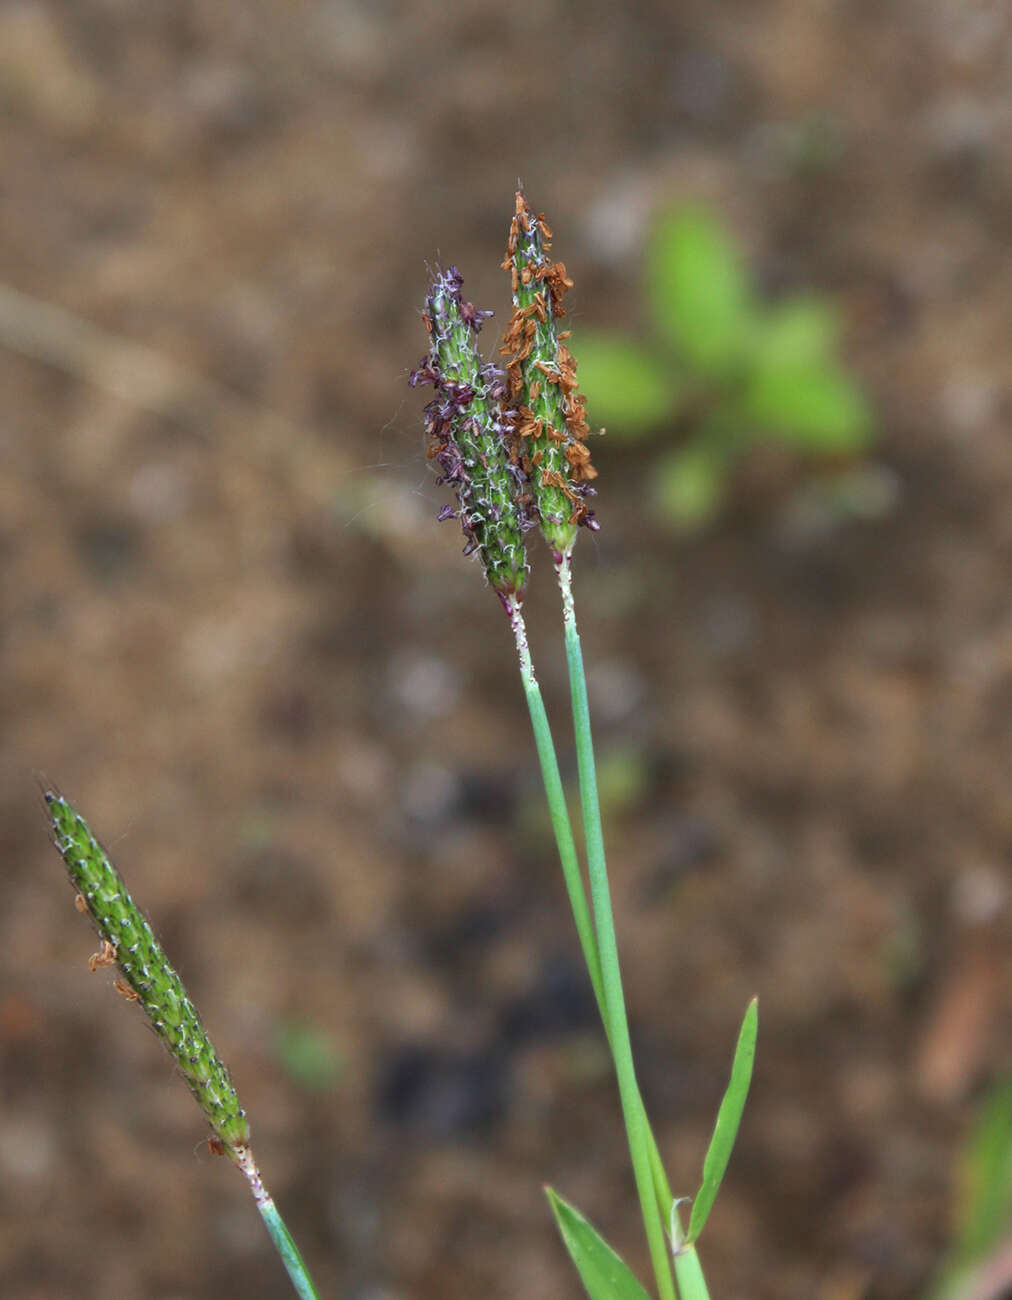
551,422
128,940
470,437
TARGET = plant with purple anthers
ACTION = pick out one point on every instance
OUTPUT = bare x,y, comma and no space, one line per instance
471,437
511,443
514,448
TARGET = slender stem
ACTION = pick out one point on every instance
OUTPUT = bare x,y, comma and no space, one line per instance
557,809
662,1188
689,1271
575,888
637,1128
282,1238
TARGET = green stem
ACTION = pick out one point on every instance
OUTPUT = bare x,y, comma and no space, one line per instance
689,1271
662,1188
281,1237
557,808
562,828
637,1128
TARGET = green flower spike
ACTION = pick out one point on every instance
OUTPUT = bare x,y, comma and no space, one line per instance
127,940
541,384
470,438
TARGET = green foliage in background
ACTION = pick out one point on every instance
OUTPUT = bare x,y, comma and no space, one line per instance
308,1055
984,1198
736,371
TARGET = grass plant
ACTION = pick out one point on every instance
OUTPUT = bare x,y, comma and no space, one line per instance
512,444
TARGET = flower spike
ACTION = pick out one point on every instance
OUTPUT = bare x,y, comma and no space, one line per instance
551,421
471,440
126,939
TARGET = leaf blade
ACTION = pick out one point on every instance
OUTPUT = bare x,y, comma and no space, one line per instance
728,1118
699,292
813,408
987,1177
626,387
604,1274
801,331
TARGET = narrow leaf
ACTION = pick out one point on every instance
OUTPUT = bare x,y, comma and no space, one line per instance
699,292
604,1274
728,1118
986,1202
627,389
984,1198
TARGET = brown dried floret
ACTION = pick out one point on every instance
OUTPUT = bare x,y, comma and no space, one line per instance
105,956
541,380
558,282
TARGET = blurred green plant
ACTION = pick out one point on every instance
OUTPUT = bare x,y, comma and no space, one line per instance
983,1229
737,372
308,1055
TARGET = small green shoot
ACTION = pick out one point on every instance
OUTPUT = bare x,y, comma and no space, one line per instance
726,1128
605,1274
690,483
985,1197
308,1055
726,370
987,1200
623,779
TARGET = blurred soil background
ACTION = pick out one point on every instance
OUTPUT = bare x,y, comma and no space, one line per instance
233,633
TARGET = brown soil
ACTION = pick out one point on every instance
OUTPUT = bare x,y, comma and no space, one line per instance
232,632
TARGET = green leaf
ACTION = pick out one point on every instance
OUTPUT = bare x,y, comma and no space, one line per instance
627,389
986,1210
309,1055
814,408
605,1275
689,484
623,777
800,332
728,1118
699,292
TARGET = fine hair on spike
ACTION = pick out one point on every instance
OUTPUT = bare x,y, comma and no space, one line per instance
471,438
127,940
